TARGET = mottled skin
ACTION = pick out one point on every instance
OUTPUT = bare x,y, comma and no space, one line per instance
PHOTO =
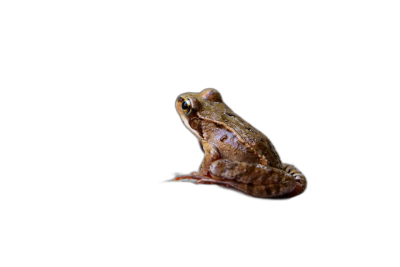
236,154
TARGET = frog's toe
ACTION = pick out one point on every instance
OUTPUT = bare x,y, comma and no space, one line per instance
206,180
190,177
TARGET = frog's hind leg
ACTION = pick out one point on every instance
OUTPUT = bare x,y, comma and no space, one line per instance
301,182
253,179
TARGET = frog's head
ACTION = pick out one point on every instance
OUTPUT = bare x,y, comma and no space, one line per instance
192,107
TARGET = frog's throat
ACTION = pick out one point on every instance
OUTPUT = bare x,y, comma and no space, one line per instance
186,122
263,160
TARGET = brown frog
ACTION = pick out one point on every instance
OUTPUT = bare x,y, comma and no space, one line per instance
236,154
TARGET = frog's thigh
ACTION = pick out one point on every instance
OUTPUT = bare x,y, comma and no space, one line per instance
210,154
254,179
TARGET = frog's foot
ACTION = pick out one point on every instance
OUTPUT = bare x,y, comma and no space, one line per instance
193,176
185,178
203,180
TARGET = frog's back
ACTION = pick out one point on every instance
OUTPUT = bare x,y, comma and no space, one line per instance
211,108
228,145
254,140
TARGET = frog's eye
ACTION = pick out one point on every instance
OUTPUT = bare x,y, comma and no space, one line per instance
187,106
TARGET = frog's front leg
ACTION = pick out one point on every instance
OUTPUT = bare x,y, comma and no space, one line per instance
254,179
211,154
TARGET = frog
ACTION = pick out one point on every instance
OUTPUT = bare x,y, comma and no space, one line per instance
236,154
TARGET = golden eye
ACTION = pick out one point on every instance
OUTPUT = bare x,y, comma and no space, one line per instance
187,106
